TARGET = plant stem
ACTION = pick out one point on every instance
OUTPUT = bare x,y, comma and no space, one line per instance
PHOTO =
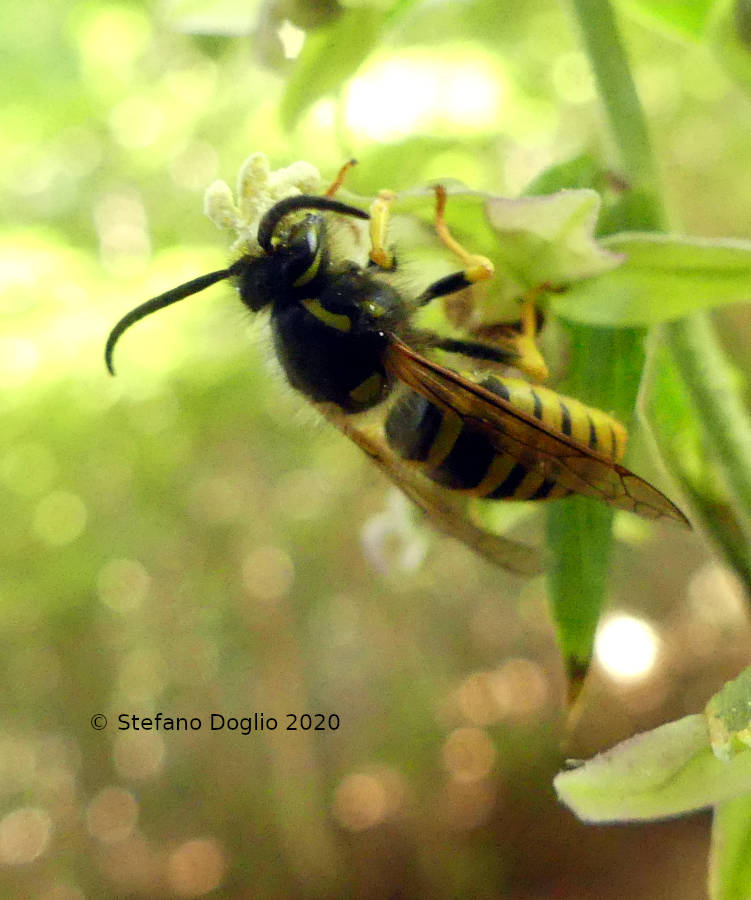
713,385
698,355
617,92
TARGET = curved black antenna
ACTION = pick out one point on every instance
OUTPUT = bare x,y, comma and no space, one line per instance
166,299
278,211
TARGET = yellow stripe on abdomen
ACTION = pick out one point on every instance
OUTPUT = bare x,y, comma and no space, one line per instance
564,415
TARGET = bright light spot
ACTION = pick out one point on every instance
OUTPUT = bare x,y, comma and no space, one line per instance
112,815
517,690
15,271
196,868
216,500
143,674
24,835
59,518
111,38
136,122
468,754
400,95
138,755
323,114
28,469
122,228
292,39
302,494
360,802
626,647
476,701
391,540
390,100
268,573
123,584
472,97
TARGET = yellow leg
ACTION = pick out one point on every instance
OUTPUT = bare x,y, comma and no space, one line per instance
380,213
479,268
339,180
531,361
476,268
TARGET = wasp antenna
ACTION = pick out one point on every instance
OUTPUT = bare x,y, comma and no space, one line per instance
274,216
169,297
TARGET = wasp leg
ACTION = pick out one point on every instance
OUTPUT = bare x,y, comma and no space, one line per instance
506,356
531,360
339,180
523,352
380,213
476,268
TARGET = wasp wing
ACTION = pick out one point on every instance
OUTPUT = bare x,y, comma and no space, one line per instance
529,441
446,510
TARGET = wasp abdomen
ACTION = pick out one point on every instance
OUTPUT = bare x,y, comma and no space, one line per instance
565,415
459,455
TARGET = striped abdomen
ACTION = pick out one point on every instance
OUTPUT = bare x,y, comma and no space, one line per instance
454,454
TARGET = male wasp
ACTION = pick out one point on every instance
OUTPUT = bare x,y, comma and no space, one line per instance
346,339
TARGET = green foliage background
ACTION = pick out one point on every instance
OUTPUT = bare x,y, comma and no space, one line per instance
187,539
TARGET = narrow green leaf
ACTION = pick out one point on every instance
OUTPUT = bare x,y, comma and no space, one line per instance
664,772
730,853
578,529
664,277
330,56
604,372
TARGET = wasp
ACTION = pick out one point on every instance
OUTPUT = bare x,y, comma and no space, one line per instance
346,339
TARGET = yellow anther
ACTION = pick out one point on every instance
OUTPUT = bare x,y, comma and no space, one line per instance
380,213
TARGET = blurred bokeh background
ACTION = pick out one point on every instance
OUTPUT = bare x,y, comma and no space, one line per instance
188,539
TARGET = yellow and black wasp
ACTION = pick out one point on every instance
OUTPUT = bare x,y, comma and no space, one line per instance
346,339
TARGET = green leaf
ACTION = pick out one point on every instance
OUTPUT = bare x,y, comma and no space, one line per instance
578,530
550,238
401,162
582,171
622,204
221,17
664,772
604,372
687,18
330,56
730,40
664,277
730,854
729,717
531,241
